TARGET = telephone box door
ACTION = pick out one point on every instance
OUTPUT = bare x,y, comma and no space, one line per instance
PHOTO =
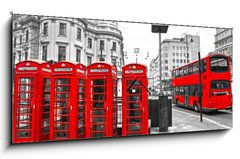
62,108
25,104
134,109
98,108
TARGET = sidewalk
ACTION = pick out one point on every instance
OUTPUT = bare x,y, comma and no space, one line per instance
186,122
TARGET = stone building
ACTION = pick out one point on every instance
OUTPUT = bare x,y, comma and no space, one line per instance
174,54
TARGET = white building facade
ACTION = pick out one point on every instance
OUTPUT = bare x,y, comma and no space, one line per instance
70,39
174,54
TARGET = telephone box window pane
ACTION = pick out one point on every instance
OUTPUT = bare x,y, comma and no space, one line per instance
46,106
24,113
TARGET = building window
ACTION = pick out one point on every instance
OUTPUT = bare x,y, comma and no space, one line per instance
27,35
26,55
114,46
78,55
166,67
181,61
89,44
180,54
89,60
62,29
20,39
102,44
15,42
101,59
180,47
61,53
177,47
19,56
173,47
166,61
177,61
114,62
184,61
79,34
173,53
173,60
177,54
44,53
45,29
15,25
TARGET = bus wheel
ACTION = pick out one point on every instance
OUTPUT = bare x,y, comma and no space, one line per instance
195,107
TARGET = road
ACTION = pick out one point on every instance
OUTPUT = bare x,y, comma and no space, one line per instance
223,117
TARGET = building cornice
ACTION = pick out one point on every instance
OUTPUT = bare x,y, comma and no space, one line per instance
104,33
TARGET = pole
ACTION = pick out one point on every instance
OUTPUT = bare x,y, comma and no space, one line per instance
200,85
187,46
136,57
160,65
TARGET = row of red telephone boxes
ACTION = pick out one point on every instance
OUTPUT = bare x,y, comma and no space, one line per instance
66,101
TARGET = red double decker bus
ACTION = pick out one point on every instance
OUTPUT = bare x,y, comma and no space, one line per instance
216,84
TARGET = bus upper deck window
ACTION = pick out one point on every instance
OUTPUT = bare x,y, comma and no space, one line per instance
219,64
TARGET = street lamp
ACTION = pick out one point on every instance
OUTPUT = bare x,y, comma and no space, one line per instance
191,41
159,29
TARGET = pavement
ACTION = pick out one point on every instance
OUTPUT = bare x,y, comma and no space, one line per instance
187,122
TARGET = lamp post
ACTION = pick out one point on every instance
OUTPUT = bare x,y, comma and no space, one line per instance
186,36
159,29
200,85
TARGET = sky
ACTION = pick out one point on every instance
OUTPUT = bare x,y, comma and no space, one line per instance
136,35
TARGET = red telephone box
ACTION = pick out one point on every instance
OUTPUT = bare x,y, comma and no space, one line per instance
68,101
134,100
31,105
101,110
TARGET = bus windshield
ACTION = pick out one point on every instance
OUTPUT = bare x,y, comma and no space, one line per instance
220,84
219,64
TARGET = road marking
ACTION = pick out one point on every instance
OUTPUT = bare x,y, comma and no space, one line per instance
212,121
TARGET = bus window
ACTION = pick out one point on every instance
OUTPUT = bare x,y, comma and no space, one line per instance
177,72
182,90
193,90
220,84
203,65
218,64
195,67
190,71
180,72
173,74
185,70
